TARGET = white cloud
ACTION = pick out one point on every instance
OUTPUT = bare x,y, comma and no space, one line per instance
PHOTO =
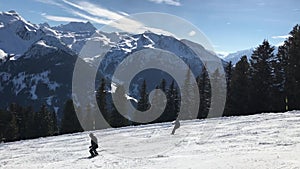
281,37
50,2
97,14
192,33
92,19
123,13
62,18
168,2
117,20
95,10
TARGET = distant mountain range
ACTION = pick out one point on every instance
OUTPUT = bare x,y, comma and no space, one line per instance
236,56
37,60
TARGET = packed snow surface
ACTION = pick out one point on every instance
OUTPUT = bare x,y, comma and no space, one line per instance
259,141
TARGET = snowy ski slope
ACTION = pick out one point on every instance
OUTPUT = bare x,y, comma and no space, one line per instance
259,141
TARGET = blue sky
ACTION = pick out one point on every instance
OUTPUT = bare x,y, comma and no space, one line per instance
230,25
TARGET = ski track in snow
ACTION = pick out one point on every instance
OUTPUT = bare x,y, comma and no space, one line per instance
258,141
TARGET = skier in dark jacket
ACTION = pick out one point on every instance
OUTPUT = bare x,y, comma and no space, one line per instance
94,145
176,126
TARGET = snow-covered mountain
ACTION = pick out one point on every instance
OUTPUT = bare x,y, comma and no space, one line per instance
17,35
152,42
236,56
37,61
270,140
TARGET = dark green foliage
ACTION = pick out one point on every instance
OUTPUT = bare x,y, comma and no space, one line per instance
172,107
143,102
205,93
228,71
103,104
261,78
9,130
70,123
239,89
270,83
101,96
188,91
163,85
27,129
23,123
44,123
277,100
289,55
117,119
173,103
218,85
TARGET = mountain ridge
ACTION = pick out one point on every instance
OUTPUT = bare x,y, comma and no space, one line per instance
33,73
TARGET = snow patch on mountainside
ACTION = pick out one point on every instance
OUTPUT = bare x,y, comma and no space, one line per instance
49,100
43,43
249,142
1,25
2,54
41,78
18,82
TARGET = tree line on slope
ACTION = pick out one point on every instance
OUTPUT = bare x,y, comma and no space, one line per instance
268,82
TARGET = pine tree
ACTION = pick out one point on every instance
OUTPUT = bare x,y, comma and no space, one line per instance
219,89
53,126
12,130
70,123
240,89
163,85
261,78
169,107
102,102
188,97
122,116
4,118
43,122
228,71
204,92
158,106
172,107
9,130
277,88
289,55
143,103
29,124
